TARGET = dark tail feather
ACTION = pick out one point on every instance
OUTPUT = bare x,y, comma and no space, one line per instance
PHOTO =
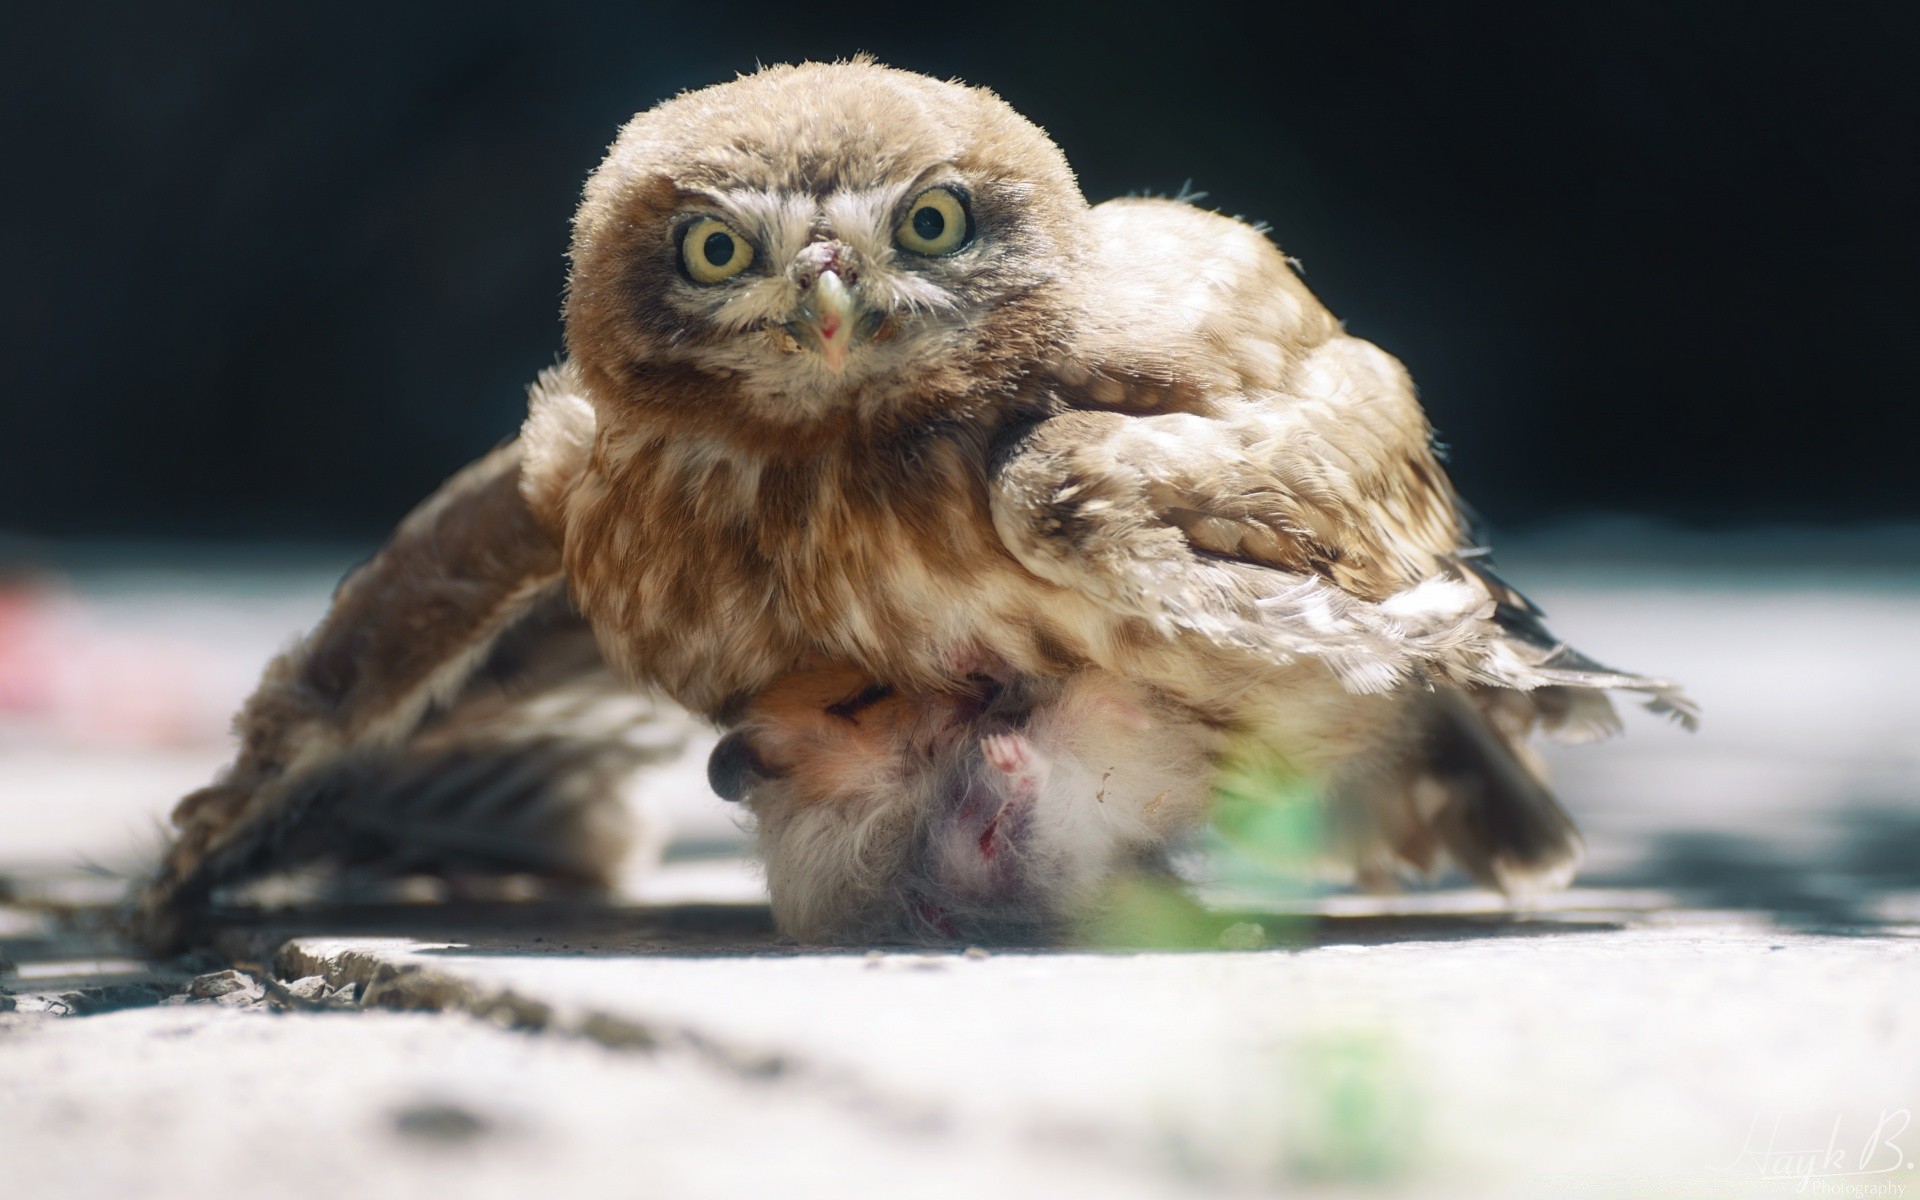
1500,823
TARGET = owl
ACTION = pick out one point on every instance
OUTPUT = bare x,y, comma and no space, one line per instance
858,381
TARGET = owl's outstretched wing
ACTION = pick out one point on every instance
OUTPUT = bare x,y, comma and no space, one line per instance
405,636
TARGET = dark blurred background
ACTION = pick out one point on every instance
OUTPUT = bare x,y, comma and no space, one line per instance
273,271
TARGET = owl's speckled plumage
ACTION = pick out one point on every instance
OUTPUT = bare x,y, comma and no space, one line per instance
1119,438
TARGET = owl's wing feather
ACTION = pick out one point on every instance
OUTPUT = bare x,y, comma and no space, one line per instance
520,774
1567,683
1156,518
1231,463
1173,518
1267,430
405,633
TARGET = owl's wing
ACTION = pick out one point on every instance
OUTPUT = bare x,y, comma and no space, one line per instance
1204,527
406,634
1175,520
1226,461
1209,527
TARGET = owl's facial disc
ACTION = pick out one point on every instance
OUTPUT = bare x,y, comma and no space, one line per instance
835,247
816,298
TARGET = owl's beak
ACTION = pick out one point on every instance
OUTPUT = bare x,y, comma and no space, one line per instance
830,315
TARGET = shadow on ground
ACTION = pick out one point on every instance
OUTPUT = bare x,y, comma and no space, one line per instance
1854,872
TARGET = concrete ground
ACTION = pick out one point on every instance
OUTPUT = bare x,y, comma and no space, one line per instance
1728,1004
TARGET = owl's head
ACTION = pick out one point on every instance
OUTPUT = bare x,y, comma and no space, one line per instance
827,239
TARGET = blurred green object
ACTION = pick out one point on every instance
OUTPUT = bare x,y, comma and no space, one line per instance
1145,912
1354,1114
1266,837
1268,818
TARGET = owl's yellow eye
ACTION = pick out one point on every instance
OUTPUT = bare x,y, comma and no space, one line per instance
712,251
936,223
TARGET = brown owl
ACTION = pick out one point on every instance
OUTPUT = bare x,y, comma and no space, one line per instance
858,380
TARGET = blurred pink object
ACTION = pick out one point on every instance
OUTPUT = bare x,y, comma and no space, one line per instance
64,679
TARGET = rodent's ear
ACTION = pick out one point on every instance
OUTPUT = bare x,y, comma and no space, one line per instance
734,767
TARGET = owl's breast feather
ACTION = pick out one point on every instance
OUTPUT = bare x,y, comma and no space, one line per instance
711,575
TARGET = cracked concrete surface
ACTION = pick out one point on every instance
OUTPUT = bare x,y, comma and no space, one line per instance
1534,1059
203,1100
1727,1006
1470,1066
